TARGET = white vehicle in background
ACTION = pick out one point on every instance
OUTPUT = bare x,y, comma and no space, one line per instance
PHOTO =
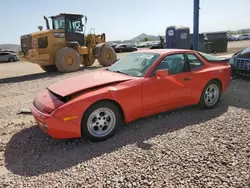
236,37
244,37
6,56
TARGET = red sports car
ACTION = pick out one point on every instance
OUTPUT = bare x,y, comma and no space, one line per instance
140,84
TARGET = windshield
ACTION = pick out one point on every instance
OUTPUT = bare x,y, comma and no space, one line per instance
134,64
73,24
58,22
246,50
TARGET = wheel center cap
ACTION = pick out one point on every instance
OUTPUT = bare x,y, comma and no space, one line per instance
101,121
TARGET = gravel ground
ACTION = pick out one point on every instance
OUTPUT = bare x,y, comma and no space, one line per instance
185,148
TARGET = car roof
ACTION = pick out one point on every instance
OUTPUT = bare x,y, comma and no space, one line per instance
163,51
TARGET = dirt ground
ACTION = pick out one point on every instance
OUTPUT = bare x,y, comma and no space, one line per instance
235,46
185,148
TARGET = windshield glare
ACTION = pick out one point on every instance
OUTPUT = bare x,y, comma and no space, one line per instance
59,22
72,24
134,64
211,57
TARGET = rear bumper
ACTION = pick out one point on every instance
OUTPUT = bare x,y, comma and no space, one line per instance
54,126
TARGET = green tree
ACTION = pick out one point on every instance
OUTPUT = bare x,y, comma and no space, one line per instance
146,39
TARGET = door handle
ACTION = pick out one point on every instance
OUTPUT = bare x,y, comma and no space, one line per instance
187,78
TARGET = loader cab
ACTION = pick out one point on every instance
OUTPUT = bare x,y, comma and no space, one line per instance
72,25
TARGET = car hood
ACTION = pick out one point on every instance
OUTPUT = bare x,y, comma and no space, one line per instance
87,81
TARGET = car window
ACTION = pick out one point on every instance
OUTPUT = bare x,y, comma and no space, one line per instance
174,63
194,62
2,54
246,50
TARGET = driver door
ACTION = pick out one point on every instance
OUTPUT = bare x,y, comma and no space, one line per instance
172,90
74,31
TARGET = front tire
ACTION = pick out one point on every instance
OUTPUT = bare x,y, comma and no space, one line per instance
67,60
211,95
100,121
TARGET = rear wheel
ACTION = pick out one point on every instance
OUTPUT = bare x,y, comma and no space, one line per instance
67,60
100,121
88,61
211,95
107,56
11,59
50,68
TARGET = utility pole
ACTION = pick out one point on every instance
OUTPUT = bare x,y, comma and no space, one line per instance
196,25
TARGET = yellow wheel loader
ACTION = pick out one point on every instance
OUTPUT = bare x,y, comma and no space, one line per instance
65,47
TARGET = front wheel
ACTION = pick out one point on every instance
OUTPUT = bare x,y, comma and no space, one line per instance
211,95
67,60
100,121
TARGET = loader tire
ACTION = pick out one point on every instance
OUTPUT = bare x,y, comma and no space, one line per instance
67,60
88,61
107,56
49,68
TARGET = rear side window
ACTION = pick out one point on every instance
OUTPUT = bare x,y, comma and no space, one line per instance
194,62
175,63
2,54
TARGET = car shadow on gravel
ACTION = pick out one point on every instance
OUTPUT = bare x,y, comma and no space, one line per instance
29,77
37,76
31,152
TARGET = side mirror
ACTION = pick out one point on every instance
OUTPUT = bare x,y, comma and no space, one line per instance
162,73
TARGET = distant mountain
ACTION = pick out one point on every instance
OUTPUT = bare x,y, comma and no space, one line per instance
142,36
139,38
14,47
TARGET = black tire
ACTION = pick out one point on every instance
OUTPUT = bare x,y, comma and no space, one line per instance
86,133
203,103
103,60
50,68
61,63
11,59
88,61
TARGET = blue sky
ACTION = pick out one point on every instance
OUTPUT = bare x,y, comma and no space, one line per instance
123,19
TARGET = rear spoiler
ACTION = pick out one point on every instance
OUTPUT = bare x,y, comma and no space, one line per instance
220,61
